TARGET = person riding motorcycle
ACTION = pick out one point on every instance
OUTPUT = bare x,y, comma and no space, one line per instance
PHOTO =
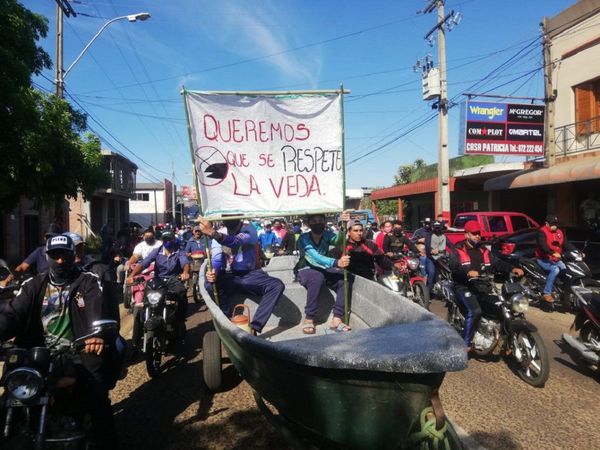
196,243
59,306
141,251
364,253
169,260
469,259
435,245
36,258
551,242
394,242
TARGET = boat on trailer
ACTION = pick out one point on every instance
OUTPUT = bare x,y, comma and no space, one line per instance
375,387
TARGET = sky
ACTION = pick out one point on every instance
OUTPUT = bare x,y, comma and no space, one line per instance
128,82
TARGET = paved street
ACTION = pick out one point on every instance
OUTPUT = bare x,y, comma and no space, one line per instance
487,400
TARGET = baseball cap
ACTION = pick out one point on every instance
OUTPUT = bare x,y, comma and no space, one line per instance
76,238
472,226
197,228
551,219
60,242
167,235
438,224
352,223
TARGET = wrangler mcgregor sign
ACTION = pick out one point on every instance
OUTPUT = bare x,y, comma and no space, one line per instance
504,129
264,155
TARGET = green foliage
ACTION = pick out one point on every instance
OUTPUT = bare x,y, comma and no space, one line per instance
406,171
387,208
460,162
44,156
93,245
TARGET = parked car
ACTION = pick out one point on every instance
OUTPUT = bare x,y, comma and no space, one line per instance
493,224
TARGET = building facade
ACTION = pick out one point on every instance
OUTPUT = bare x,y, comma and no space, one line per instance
152,203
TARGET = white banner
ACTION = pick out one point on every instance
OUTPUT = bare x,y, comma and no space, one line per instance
266,155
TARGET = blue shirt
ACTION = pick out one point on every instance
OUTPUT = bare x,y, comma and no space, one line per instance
194,245
268,238
314,254
165,266
38,259
243,250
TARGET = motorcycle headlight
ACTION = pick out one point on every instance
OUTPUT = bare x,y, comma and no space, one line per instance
24,384
520,304
413,263
154,297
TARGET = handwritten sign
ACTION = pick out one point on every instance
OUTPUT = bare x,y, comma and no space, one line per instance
265,155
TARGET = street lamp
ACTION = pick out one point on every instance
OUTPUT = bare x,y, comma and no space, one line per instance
60,75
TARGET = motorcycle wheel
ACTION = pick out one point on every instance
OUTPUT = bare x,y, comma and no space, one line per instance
127,297
421,294
534,367
455,318
211,361
153,357
196,289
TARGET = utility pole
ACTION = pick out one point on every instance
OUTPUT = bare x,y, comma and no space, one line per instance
443,203
173,192
435,87
59,51
549,97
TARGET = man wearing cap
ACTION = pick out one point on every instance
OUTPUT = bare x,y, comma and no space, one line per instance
197,243
435,246
56,307
36,259
468,260
364,253
268,237
551,242
236,270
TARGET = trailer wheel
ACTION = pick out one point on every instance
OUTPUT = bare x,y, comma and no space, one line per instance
211,361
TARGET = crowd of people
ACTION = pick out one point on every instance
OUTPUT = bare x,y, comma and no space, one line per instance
71,289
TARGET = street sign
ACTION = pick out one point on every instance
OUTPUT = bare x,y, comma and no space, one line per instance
503,129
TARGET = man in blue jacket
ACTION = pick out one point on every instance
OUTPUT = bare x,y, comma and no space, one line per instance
235,270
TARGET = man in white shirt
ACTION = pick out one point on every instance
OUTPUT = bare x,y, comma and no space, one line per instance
140,251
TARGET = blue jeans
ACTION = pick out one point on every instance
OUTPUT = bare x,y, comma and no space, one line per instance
553,269
427,267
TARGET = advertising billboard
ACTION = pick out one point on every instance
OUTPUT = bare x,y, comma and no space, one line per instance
503,129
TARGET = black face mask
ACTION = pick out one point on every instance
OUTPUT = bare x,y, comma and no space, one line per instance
149,241
397,232
317,228
61,273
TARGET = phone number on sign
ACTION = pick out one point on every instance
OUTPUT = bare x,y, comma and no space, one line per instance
526,148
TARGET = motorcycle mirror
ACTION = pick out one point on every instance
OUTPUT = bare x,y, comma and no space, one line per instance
99,327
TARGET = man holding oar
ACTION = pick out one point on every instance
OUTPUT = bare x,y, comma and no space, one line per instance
316,269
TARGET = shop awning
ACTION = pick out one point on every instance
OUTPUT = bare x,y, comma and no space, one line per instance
579,170
404,190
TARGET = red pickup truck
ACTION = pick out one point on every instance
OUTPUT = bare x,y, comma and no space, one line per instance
493,224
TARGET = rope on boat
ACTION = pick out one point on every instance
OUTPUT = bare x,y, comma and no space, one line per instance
429,433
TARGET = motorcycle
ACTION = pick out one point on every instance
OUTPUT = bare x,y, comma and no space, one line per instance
7,293
503,325
197,260
577,274
38,407
585,349
407,280
443,275
160,329
269,252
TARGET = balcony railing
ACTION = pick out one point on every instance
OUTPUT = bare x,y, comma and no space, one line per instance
577,137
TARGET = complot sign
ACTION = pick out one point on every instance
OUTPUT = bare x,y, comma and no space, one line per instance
211,166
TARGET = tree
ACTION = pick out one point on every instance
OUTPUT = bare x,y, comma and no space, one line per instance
46,156
406,171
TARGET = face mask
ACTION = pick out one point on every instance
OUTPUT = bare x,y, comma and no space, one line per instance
398,232
61,273
437,232
277,227
169,245
317,228
474,244
149,241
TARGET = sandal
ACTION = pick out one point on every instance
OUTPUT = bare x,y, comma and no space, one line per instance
309,328
341,328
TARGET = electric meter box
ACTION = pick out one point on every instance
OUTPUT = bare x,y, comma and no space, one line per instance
431,84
